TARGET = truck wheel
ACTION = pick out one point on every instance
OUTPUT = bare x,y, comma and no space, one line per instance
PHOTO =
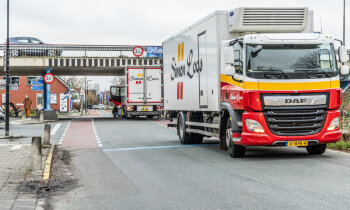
316,149
185,138
234,150
223,124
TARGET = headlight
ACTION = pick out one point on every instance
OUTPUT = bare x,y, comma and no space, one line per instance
254,126
334,124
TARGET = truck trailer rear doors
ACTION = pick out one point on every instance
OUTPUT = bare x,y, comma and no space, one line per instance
144,85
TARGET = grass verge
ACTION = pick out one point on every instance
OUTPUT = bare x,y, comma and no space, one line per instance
341,145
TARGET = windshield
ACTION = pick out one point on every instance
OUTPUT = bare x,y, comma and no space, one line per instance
291,60
118,91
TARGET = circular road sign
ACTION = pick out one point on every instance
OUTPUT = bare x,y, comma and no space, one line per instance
49,78
137,51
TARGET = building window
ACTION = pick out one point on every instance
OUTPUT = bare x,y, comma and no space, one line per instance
15,80
30,78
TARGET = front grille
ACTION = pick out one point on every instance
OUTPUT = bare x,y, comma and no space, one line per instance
295,122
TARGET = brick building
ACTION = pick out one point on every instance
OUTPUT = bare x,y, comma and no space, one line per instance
18,93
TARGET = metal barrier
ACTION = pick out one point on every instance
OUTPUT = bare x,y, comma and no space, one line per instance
55,51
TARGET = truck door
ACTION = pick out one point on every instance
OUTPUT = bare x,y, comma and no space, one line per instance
202,63
135,81
154,91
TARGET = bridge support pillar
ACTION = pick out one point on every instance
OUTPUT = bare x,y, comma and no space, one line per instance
47,92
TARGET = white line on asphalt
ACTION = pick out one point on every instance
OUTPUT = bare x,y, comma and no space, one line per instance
64,133
172,128
96,135
54,129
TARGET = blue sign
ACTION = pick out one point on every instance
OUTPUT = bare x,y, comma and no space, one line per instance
38,87
154,52
100,96
37,81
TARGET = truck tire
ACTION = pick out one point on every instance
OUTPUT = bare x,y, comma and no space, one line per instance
234,150
223,124
185,138
316,149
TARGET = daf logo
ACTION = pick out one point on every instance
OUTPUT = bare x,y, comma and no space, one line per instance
295,101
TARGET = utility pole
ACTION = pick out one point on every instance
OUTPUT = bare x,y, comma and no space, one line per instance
344,24
7,62
86,94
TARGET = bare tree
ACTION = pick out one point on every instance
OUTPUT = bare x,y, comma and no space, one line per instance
76,82
118,81
309,61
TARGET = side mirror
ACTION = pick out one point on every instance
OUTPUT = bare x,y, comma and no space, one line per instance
343,54
229,55
344,70
255,51
230,71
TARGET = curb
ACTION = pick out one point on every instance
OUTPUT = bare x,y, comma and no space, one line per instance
47,169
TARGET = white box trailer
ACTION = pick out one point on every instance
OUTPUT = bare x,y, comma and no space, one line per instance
143,94
191,63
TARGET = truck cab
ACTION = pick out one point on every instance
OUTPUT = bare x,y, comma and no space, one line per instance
284,87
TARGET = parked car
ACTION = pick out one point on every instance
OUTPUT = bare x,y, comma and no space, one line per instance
95,107
30,41
101,106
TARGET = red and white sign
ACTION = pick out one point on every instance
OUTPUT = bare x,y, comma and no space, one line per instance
49,78
137,51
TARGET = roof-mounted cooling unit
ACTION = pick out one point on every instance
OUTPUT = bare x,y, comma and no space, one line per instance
268,20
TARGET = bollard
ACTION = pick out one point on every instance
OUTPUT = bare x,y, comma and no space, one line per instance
36,153
23,118
41,116
47,130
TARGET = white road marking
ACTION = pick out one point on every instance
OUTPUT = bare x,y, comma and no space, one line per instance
172,128
64,133
54,129
96,135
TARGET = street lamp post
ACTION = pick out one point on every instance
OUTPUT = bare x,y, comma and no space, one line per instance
7,68
86,93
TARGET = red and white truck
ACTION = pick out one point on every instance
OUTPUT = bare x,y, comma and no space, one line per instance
255,77
142,95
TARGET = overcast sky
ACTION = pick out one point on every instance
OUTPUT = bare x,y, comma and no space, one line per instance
138,22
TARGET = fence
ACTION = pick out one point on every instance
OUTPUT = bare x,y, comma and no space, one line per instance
101,51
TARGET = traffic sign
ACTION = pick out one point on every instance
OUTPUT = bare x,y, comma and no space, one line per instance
37,81
137,51
38,87
49,78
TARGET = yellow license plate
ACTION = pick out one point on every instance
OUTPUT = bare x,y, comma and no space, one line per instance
145,109
297,143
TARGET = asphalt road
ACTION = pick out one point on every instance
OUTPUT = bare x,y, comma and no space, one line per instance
138,164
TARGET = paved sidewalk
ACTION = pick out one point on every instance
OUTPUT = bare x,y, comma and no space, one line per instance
14,168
